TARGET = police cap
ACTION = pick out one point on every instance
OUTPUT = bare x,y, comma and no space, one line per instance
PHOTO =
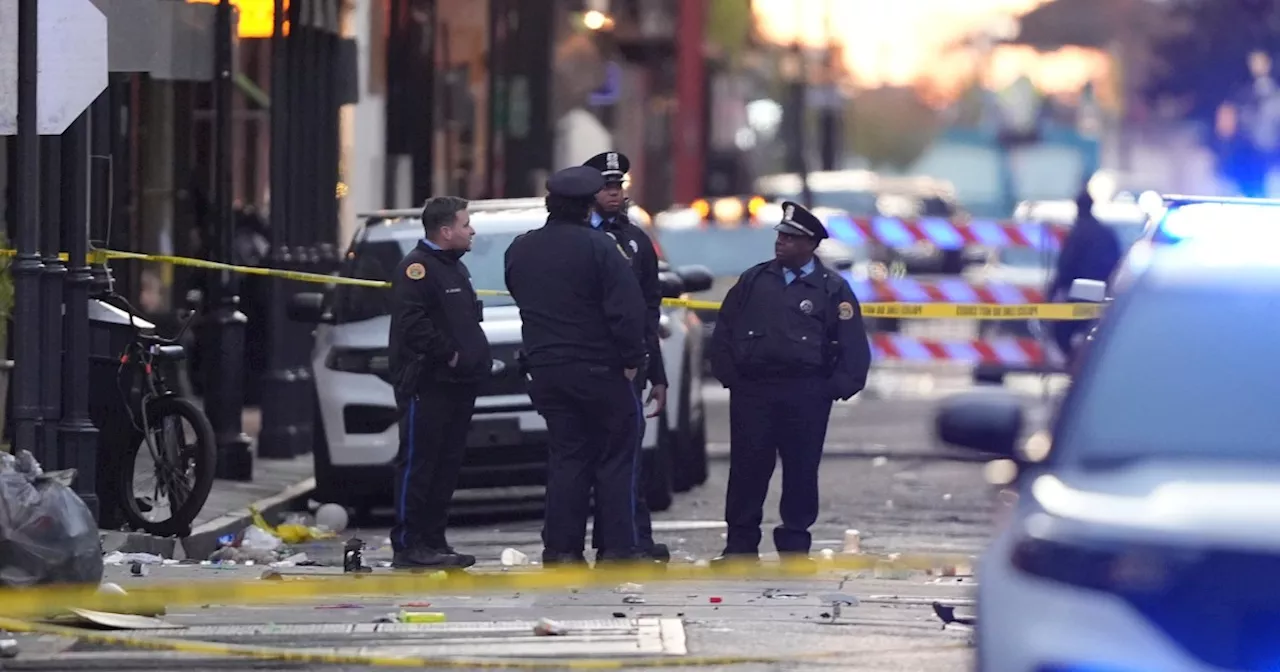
797,221
575,182
612,165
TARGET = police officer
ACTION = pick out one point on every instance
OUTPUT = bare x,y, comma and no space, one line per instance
788,341
610,216
583,328
440,354
1091,251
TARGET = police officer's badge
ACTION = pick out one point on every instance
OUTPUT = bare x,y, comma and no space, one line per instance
846,310
806,306
789,214
611,161
415,271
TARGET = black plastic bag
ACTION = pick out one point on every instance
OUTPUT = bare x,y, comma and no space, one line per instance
47,534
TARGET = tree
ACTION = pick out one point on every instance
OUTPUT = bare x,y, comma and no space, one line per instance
890,127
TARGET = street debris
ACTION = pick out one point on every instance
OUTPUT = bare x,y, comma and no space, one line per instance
332,517
838,601
780,594
827,554
421,617
715,600
879,461
947,614
353,557
633,599
629,588
118,558
513,558
9,648
138,569
293,531
852,542
546,627
47,534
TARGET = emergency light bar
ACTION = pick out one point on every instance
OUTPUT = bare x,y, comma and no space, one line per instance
1197,218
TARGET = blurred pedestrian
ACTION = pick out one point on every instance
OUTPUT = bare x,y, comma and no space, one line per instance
1091,251
789,341
439,354
610,216
583,327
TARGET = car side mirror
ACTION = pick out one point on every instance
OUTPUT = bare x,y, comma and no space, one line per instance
985,421
1092,291
672,285
307,307
696,277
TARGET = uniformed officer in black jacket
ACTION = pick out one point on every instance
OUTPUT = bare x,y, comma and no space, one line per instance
583,328
610,216
1091,251
788,341
439,354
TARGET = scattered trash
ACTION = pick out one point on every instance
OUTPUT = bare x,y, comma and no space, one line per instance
332,517
629,588
513,558
289,533
242,554
827,554
138,569
9,648
780,594
421,617
946,497
838,601
416,604
104,619
852,542
340,606
47,534
258,539
715,600
227,540
701,563
619,614
633,599
879,461
549,628
947,614
353,557
118,558
111,589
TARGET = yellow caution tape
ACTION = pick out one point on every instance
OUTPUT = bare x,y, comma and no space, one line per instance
904,311
326,658
43,601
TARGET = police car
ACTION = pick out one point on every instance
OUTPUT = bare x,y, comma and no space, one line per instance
1146,531
356,431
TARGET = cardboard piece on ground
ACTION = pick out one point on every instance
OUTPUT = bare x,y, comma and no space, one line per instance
115,621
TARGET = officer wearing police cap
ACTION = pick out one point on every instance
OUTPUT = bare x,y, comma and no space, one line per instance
789,340
583,330
610,216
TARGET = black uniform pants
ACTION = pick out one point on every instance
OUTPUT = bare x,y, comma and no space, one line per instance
644,519
784,418
593,416
433,442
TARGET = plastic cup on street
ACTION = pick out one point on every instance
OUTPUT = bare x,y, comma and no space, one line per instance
852,542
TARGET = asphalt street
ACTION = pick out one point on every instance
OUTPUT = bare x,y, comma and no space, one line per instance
883,475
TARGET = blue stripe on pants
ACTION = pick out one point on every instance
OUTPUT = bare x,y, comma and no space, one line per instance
635,467
404,479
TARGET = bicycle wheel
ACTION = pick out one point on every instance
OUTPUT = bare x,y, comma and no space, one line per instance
179,463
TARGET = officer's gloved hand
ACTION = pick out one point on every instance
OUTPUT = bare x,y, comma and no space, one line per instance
842,388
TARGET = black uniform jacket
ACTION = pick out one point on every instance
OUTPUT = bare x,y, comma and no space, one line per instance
579,300
639,250
813,327
435,314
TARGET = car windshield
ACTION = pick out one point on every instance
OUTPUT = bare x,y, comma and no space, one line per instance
1028,257
377,260
853,202
1187,373
722,251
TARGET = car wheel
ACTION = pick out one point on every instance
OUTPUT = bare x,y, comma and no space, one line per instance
690,445
656,465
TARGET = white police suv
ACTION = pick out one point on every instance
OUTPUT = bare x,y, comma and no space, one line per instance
357,435
1146,531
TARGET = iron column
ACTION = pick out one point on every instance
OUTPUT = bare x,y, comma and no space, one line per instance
79,438
51,381
26,265
224,330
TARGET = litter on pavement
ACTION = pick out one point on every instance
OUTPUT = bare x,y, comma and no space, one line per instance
546,627
47,534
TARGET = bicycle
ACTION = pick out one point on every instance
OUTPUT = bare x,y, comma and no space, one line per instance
178,436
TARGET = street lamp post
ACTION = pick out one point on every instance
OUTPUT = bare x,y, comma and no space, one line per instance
793,73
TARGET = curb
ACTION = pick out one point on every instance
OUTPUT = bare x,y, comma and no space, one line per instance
204,538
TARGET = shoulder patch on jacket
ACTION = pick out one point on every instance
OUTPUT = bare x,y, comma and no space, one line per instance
415,271
846,310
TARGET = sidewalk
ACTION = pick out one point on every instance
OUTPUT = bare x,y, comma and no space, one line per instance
276,486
